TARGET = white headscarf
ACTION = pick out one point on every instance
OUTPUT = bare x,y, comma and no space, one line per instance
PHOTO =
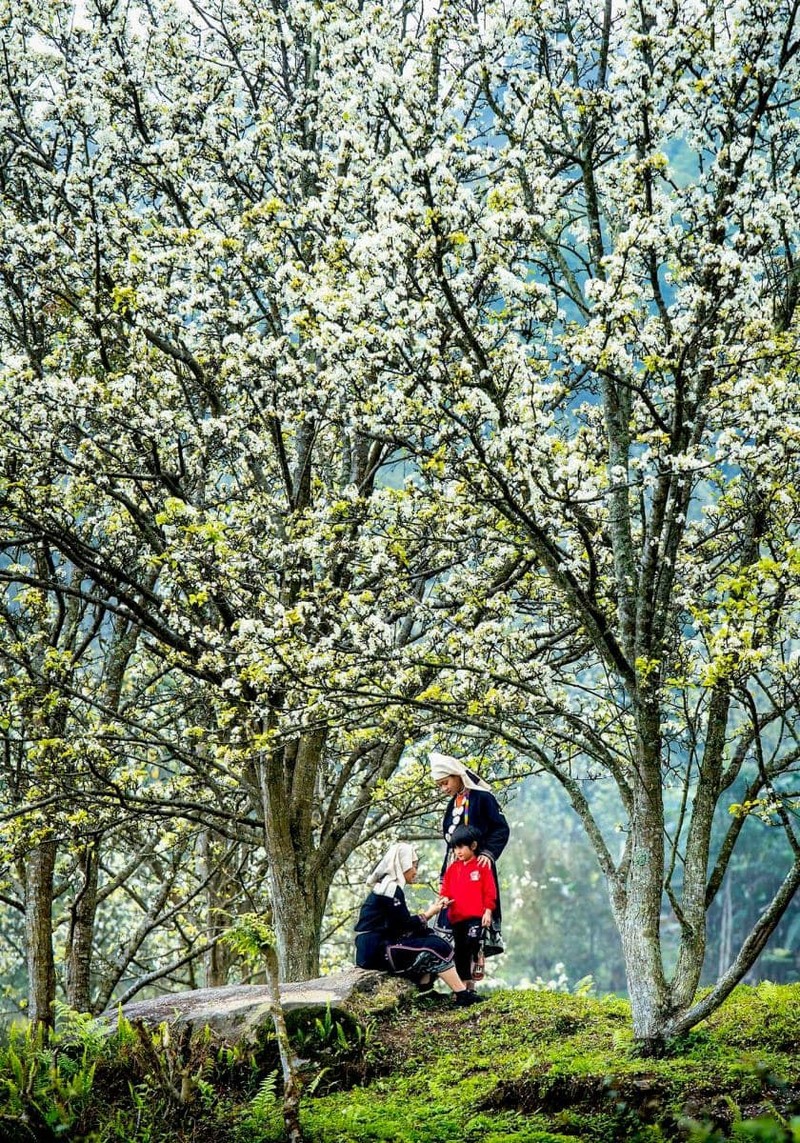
388,873
444,766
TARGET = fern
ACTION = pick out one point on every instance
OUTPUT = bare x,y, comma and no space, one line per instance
264,1100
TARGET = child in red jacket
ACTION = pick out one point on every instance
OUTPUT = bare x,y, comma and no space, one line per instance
472,896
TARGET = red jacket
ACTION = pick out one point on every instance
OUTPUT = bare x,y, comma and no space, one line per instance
471,888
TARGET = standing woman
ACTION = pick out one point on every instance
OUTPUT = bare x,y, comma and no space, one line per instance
472,804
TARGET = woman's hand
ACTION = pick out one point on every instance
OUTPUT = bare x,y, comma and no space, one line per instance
486,919
439,904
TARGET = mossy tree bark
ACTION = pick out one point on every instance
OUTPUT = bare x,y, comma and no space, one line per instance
39,894
80,935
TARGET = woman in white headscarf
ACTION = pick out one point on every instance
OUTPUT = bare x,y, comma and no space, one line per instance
391,939
471,804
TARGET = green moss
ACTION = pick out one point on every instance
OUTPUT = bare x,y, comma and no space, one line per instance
543,1066
768,1015
525,1067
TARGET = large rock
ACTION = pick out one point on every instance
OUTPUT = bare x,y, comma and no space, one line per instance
238,1012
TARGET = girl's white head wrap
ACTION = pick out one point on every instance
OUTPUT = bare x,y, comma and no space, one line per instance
444,766
388,873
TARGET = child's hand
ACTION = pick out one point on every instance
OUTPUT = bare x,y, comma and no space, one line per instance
437,906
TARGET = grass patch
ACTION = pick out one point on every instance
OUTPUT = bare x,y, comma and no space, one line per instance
550,1067
524,1067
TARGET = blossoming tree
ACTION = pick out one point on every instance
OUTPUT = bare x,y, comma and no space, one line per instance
184,427
588,228
256,259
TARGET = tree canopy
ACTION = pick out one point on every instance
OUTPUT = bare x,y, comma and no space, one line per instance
402,367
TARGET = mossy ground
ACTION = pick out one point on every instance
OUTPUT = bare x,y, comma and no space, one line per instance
540,1067
524,1067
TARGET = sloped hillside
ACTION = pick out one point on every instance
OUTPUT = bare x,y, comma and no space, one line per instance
538,1067
523,1067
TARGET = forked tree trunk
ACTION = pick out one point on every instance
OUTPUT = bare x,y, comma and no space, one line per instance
81,932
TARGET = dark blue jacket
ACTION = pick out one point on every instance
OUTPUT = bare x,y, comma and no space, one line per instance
381,921
483,814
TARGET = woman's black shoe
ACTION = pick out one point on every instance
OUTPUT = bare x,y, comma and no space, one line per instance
468,997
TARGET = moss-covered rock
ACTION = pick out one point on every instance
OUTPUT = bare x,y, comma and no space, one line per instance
241,1012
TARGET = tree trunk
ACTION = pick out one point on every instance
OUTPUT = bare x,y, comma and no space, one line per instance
640,929
299,889
39,868
297,912
647,987
81,933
